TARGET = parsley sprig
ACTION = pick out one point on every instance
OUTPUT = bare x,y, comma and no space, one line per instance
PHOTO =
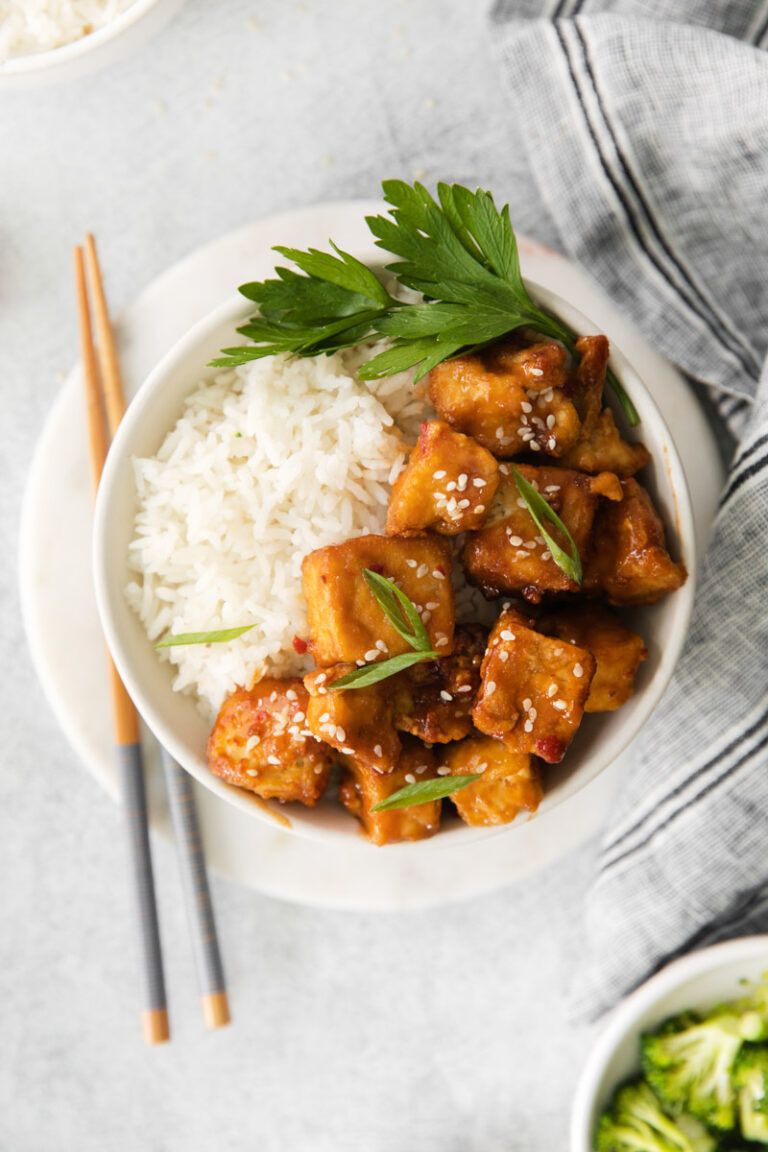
540,509
459,252
402,615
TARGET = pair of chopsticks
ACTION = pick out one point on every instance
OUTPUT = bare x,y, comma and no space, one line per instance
105,405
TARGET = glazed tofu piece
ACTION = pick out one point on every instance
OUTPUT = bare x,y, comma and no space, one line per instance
510,399
346,623
618,652
588,383
447,485
629,562
434,700
510,781
603,450
362,789
510,555
355,721
533,688
261,742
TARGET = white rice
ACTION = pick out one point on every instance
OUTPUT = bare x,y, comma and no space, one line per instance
28,27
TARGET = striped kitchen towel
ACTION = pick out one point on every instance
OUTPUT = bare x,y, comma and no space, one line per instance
648,139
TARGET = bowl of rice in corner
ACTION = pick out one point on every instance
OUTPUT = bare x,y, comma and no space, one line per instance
44,42
220,481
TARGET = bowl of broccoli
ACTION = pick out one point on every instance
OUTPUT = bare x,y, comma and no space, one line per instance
682,1065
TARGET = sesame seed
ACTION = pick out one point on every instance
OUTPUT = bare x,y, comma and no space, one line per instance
503,656
445,695
558,651
382,647
482,767
551,421
318,769
527,434
551,443
480,508
535,371
438,575
527,703
443,771
413,563
504,469
526,407
438,476
298,717
578,671
463,504
371,654
421,769
322,691
325,716
479,482
273,696
552,488
534,446
546,554
560,705
490,687
319,679
441,643
426,616
532,713
529,544
462,481
551,690
348,751
452,504
291,695
360,663
410,778
507,635
516,541
528,726
272,760
294,730
431,605
421,571
521,503
451,487
252,771
500,432
340,734
464,688
252,742
377,751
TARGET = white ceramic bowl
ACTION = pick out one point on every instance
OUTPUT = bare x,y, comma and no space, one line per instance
144,19
174,719
700,980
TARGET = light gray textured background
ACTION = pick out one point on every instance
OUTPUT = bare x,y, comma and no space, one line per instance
440,1030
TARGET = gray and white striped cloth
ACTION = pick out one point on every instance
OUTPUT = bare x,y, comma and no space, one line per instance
647,131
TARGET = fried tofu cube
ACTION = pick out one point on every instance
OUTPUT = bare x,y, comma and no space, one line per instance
362,789
260,741
510,782
355,721
618,651
510,554
510,399
347,624
586,387
629,562
533,688
447,485
433,700
604,450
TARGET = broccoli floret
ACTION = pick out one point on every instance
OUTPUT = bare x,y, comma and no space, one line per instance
750,1076
636,1122
689,1061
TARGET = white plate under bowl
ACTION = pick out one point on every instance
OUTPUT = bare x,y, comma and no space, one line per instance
132,28
700,980
64,632
175,720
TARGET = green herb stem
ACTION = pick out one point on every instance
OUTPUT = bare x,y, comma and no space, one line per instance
425,790
540,509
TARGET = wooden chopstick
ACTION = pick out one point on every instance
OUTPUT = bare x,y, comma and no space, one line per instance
154,1014
181,798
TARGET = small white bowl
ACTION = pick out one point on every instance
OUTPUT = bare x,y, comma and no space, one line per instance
700,980
132,28
174,718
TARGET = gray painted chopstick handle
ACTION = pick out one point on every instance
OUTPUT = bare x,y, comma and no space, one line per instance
194,878
155,1010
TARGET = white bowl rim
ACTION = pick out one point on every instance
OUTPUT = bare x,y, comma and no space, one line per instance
623,1017
230,310
82,46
